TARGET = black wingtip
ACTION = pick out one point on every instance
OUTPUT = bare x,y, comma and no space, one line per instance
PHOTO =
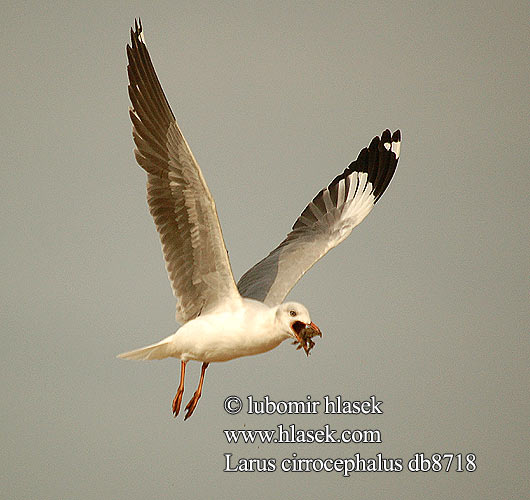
385,136
379,160
138,25
137,32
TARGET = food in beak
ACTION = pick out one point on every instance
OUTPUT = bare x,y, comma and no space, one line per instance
304,333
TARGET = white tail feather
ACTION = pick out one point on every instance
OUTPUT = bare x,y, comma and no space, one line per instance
154,351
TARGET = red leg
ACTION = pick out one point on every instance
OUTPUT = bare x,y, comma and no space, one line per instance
178,397
195,399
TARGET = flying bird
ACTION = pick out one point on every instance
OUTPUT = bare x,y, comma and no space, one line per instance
221,320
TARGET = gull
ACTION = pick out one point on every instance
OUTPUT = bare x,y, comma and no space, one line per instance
221,320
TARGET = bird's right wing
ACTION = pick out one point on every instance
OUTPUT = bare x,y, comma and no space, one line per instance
179,199
325,222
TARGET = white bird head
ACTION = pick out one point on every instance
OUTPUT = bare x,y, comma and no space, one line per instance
293,319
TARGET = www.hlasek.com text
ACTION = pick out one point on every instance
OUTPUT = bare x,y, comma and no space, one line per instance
292,434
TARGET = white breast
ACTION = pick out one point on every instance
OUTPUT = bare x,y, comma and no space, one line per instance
221,336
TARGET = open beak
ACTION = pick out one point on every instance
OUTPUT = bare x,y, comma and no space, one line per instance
303,334
315,330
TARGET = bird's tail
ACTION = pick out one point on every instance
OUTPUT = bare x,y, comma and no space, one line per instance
155,351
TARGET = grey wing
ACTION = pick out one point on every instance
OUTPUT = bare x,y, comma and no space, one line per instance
325,222
179,199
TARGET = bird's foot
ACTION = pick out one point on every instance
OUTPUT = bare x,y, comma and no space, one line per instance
192,404
176,402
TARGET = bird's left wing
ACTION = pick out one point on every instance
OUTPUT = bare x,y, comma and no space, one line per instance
179,199
325,222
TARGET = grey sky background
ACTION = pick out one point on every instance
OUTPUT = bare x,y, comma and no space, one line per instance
424,306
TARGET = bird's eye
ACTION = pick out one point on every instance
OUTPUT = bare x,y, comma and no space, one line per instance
292,313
